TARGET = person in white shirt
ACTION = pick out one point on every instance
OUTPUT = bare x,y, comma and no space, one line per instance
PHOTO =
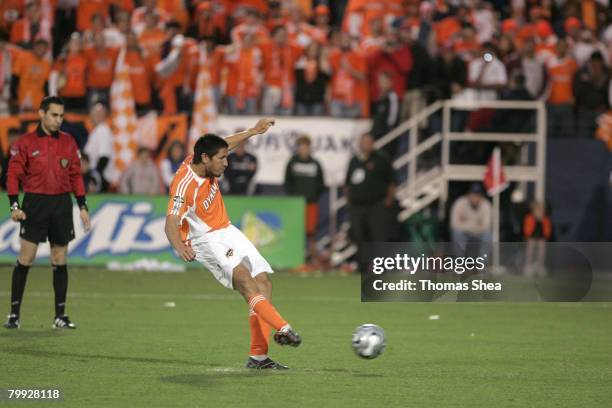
99,145
470,221
487,74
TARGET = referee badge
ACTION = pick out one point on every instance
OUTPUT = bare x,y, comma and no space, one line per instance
64,163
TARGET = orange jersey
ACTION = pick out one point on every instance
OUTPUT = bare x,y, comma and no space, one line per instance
33,72
87,9
344,86
73,67
151,41
139,76
100,67
561,74
197,202
279,63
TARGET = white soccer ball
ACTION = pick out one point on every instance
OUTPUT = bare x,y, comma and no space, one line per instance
368,341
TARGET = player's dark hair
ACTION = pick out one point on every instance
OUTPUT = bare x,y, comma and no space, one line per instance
208,144
48,100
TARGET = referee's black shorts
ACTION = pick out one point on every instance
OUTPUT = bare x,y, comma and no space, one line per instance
47,216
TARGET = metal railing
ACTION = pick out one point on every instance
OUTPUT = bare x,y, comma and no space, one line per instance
422,187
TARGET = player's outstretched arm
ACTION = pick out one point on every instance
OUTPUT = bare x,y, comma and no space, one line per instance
260,127
174,236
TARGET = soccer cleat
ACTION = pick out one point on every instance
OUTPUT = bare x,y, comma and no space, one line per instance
12,322
287,337
63,322
267,364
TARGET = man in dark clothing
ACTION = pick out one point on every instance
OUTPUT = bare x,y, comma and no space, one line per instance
385,115
304,177
240,172
591,93
47,163
418,78
370,192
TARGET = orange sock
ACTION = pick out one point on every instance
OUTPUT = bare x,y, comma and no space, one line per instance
259,341
265,329
266,312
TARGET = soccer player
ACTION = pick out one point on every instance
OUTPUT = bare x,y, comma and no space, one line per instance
47,164
198,228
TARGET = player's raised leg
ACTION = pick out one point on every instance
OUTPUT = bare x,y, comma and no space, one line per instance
27,254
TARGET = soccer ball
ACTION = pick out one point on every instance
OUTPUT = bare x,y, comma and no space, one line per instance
368,341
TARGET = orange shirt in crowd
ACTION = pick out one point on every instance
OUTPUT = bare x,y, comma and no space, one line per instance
216,66
243,79
589,14
73,68
525,32
151,41
87,9
20,32
446,29
561,75
345,87
100,67
279,63
139,76
367,10
33,73
462,47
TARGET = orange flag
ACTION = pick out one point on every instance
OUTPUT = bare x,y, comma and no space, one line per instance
204,109
124,120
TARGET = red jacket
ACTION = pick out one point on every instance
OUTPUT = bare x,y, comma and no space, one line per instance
398,65
45,164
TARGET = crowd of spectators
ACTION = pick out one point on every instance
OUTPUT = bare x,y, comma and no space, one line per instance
353,58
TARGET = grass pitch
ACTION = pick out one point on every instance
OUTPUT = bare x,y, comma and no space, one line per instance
132,349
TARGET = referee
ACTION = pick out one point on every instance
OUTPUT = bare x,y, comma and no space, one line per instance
47,164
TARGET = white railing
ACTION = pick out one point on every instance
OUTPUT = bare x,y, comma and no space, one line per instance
422,189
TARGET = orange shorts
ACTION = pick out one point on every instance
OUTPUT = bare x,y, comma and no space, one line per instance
312,217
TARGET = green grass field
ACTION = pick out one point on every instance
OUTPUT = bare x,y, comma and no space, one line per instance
130,350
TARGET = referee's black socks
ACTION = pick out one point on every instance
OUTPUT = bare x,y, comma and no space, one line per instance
20,275
60,285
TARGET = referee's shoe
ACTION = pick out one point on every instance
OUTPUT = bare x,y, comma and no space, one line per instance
63,322
12,322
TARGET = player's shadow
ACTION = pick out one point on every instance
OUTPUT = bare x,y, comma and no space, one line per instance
82,356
